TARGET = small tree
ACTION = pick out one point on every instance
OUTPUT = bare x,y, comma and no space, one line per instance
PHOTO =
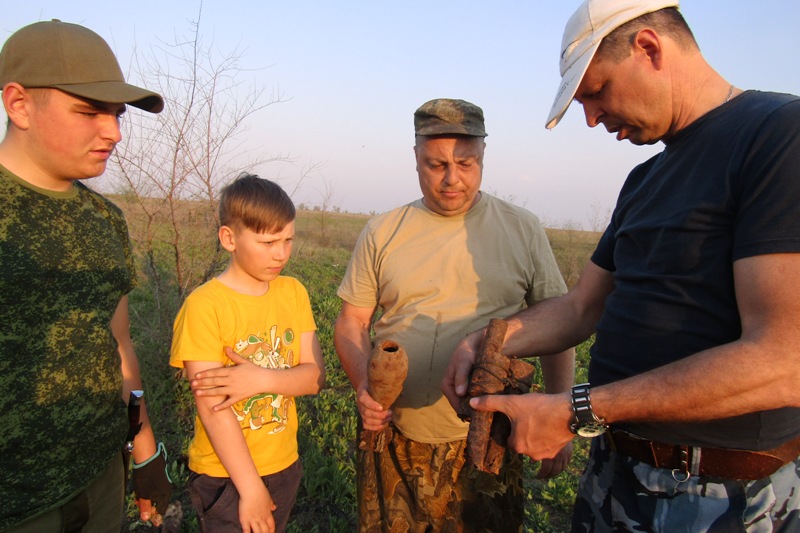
599,217
326,201
169,171
172,165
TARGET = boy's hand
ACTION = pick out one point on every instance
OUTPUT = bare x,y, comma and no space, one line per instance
255,511
235,383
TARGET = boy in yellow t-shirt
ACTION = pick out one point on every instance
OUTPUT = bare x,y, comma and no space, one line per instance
248,336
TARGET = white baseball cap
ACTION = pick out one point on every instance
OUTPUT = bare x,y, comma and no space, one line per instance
585,29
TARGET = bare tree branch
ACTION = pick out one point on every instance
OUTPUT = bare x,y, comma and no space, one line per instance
173,164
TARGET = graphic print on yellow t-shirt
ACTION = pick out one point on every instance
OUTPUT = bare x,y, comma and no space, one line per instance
265,411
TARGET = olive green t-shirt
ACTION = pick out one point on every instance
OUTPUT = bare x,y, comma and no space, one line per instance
435,279
65,262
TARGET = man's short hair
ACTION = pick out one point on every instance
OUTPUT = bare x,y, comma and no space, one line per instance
616,46
255,203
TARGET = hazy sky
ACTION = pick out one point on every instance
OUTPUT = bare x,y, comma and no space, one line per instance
354,72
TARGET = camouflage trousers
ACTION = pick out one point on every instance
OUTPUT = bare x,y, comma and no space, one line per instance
618,493
426,488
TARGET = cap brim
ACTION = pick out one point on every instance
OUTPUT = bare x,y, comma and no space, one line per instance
116,92
450,129
569,85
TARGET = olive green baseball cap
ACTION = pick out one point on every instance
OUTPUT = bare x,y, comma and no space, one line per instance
71,58
445,116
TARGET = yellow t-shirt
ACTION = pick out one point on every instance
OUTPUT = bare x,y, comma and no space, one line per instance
437,278
266,330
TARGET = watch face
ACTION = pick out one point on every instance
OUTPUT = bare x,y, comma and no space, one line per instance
591,430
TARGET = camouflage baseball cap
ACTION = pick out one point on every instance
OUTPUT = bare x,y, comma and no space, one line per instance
445,116
71,58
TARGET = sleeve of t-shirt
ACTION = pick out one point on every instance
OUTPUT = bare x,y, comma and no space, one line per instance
603,255
196,334
359,286
304,311
120,225
548,281
768,218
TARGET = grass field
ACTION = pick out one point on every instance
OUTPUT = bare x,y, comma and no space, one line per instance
326,502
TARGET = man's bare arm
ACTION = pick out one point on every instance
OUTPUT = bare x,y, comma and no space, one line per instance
353,346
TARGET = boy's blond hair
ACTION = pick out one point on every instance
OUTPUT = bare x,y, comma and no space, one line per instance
255,203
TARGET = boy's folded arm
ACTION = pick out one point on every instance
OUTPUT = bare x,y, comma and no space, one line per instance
307,377
311,359
246,379
228,441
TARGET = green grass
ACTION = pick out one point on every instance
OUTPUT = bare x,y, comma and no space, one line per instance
326,501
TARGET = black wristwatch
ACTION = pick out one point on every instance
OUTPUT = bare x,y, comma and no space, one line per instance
586,423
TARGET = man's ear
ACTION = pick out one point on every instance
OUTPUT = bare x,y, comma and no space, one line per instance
16,101
227,238
649,44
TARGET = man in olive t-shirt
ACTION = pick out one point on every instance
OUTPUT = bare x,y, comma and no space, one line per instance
437,269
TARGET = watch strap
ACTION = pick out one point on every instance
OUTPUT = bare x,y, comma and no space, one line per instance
585,423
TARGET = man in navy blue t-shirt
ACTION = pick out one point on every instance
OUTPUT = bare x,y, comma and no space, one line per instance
693,292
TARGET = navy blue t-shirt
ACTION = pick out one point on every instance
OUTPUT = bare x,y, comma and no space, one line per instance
724,188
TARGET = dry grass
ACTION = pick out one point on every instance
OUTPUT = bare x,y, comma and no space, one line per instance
572,249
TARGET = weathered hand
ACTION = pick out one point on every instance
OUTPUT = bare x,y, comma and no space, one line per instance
373,416
456,377
539,422
553,467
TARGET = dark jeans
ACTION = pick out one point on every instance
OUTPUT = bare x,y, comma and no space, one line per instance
216,500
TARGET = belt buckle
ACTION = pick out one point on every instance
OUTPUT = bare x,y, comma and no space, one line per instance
681,474
687,468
